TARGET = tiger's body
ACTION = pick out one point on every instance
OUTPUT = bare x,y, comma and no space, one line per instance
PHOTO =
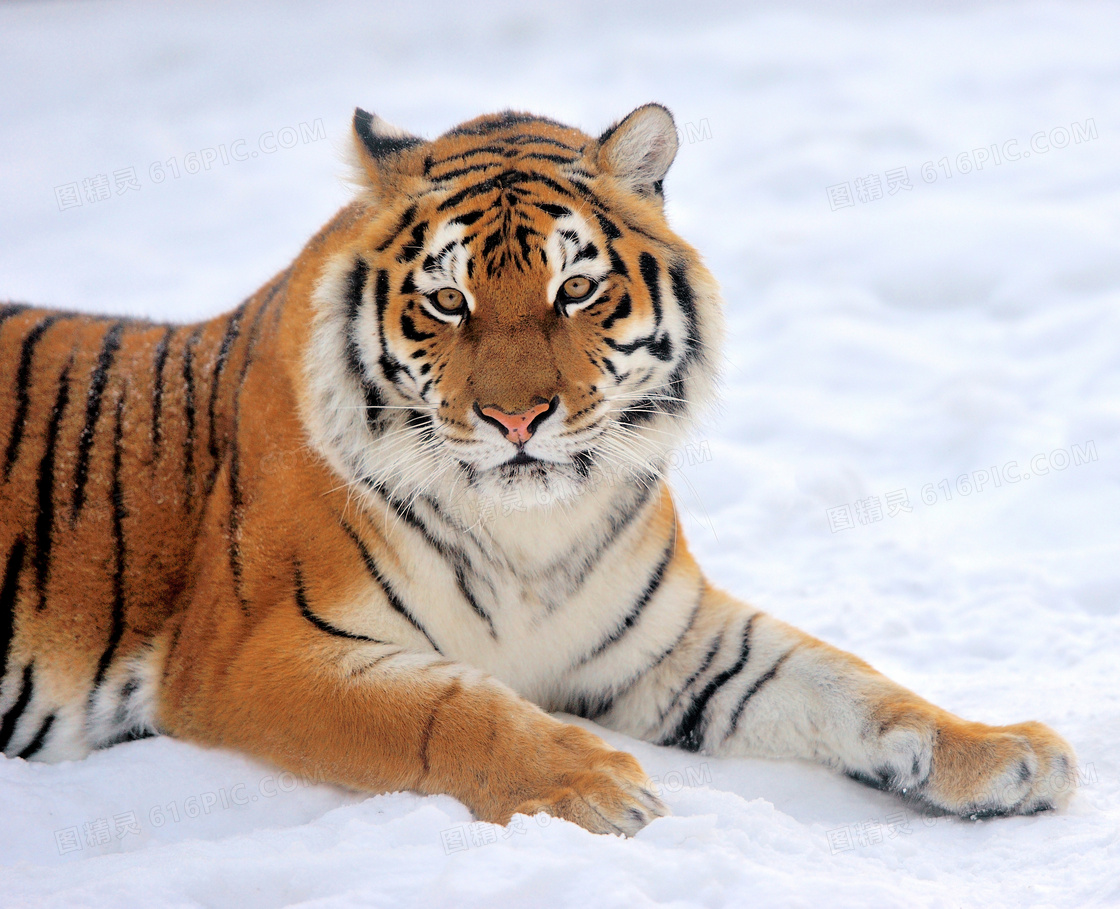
370,523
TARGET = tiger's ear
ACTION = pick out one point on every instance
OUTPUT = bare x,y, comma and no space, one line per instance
639,149
378,150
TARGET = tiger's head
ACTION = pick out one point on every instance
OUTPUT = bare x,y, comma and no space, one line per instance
511,312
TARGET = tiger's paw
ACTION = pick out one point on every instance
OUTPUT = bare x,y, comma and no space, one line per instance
977,771
591,784
990,771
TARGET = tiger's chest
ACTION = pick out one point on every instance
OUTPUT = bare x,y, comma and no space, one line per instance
527,599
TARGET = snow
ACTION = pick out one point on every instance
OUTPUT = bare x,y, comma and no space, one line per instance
933,333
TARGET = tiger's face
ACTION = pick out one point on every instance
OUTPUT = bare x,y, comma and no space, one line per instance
517,315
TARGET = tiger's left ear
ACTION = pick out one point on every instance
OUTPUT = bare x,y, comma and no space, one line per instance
379,148
639,149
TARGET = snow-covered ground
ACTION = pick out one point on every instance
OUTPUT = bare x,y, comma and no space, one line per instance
941,330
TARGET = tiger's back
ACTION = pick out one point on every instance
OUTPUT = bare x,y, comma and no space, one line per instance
112,433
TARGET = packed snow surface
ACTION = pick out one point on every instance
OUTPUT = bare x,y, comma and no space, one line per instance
890,333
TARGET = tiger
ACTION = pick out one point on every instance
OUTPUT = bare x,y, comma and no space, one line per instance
383,521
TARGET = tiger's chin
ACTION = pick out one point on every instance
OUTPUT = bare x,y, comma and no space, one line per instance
525,483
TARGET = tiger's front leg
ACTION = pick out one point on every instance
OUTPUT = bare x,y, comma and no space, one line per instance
741,683
371,715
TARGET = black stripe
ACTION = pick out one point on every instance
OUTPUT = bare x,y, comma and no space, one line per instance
236,503
431,261
682,290
620,312
11,718
467,169
650,342
709,657
98,380
402,225
355,287
500,181
254,327
233,329
545,156
530,139
415,245
495,122
752,691
406,512
640,603
128,689
361,670
522,234
590,706
617,265
321,624
469,153
618,523
11,309
651,274
390,365
461,563
453,688
556,211
44,488
162,350
492,242
36,743
630,682
188,409
662,348
468,594
9,593
455,556
411,332
116,502
387,588
608,227
590,251
129,735
467,218
23,391
689,734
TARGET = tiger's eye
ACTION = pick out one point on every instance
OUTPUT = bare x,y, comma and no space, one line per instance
449,300
577,288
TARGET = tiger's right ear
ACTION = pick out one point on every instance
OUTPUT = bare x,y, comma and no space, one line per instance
379,150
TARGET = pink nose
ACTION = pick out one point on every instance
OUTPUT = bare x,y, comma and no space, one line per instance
516,425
